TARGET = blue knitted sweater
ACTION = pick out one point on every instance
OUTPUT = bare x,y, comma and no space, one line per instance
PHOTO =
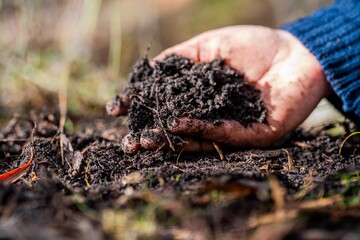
332,34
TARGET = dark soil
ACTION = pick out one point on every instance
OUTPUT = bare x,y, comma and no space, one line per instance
178,87
303,189
191,196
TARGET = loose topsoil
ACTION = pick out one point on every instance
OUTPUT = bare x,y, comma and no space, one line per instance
178,87
301,190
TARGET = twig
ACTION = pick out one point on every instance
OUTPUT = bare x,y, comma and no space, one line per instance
86,173
308,186
273,217
14,140
157,98
290,160
64,139
33,133
320,203
189,112
345,140
62,151
87,148
277,192
10,125
159,148
160,123
178,157
216,146
63,88
292,211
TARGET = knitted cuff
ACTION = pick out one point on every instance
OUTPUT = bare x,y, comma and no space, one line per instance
332,34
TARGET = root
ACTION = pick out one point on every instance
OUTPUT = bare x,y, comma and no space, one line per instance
87,173
178,157
290,160
345,140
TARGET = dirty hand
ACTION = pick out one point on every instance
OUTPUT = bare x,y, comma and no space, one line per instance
290,78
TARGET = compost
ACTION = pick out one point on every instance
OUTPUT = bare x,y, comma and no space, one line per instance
177,87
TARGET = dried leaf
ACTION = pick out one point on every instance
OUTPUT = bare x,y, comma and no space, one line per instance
133,178
13,175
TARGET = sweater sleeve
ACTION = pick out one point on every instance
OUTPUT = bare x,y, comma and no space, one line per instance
332,34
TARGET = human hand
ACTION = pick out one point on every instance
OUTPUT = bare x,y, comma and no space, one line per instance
289,77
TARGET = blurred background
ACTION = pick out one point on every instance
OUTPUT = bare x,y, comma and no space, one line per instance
75,55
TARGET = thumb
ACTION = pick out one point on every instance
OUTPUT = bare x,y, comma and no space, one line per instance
118,106
188,49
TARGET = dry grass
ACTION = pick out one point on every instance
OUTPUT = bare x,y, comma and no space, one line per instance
83,50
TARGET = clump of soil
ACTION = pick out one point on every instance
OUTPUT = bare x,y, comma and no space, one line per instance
178,87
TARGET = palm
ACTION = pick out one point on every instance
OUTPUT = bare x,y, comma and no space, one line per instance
289,77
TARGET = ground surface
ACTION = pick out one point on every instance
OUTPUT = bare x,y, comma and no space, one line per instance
301,190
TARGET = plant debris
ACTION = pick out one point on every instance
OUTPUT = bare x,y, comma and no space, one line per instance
107,194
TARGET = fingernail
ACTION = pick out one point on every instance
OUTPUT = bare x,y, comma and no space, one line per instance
112,109
117,106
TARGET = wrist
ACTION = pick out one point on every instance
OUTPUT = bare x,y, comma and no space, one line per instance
310,68
332,34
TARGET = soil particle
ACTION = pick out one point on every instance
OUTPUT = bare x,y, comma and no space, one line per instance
178,87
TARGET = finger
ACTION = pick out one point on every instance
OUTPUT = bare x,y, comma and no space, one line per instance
118,106
131,143
193,145
229,132
186,49
198,49
191,49
202,48
153,139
